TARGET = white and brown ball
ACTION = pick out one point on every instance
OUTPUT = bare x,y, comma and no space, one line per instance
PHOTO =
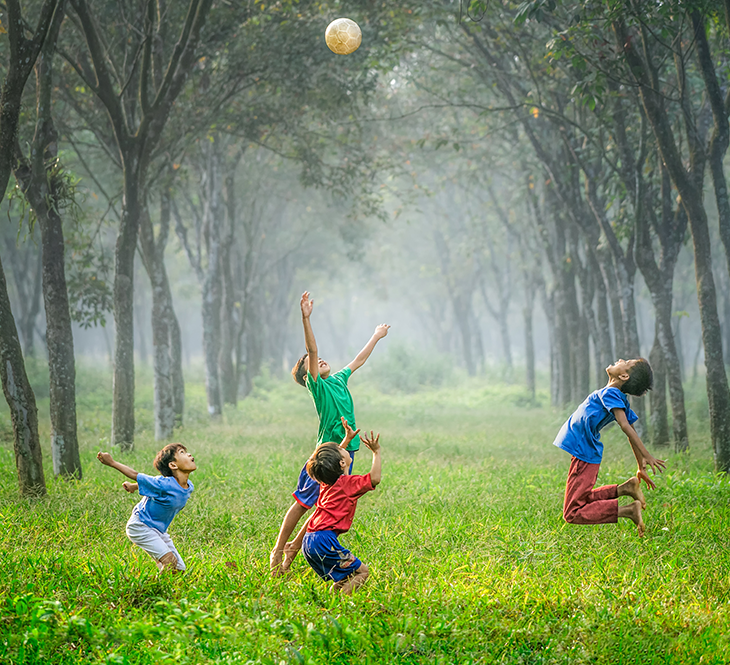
343,36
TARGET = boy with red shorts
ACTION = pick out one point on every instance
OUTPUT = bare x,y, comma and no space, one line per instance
580,436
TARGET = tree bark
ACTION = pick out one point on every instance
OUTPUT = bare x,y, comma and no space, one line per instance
658,395
39,179
21,401
687,184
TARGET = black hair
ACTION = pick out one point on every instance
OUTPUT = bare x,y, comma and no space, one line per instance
167,455
299,371
641,378
324,466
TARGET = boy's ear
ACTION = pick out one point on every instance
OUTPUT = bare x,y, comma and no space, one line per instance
172,466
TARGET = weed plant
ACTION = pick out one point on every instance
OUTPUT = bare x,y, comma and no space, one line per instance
470,559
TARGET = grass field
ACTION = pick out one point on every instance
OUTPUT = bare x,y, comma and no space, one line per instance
470,559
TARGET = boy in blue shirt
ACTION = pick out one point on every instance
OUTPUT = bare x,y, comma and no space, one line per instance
333,402
580,436
163,497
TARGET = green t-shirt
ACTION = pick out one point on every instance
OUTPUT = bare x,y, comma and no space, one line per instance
333,400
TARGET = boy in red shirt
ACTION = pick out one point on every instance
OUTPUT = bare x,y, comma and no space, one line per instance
339,492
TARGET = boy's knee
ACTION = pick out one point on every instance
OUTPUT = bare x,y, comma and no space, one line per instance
168,562
363,571
570,515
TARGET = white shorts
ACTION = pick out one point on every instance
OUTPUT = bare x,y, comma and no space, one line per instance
154,542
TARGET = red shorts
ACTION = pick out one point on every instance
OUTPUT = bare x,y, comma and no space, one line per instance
585,505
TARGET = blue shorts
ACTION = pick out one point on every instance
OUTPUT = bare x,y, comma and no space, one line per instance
307,491
327,557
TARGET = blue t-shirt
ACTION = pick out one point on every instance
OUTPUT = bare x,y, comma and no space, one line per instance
162,499
580,434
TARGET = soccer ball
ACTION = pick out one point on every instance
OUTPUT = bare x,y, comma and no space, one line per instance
343,36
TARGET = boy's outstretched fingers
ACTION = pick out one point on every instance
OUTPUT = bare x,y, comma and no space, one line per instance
642,475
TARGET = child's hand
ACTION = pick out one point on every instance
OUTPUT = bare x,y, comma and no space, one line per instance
349,433
372,442
381,331
307,305
656,465
130,487
105,458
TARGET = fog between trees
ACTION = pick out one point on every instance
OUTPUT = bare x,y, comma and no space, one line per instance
520,189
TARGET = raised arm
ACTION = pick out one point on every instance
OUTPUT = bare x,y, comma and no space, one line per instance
373,442
309,342
643,457
108,460
359,360
350,434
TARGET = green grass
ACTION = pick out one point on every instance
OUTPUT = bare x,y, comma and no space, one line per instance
471,561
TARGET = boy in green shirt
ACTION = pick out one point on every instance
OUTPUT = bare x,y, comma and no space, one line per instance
333,402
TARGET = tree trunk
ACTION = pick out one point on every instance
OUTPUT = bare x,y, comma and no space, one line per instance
165,328
527,312
21,401
229,387
658,395
38,179
123,381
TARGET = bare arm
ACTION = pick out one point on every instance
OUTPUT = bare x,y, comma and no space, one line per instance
642,455
373,442
349,433
108,460
380,332
309,342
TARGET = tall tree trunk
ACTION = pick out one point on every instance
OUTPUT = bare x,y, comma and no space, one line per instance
17,389
658,396
167,361
38,179
124,251
229,387
688,186
21,401
527,312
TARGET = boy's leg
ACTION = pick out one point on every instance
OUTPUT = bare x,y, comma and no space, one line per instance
583,504
632,488
292,549
355,581
154,543
291,519
178,564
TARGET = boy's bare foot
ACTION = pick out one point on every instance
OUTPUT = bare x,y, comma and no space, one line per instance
633,512
290,553
632,488
275,559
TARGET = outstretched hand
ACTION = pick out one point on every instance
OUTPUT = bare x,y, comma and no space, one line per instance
105,458
656,466
381,331
350,434
372,442
306,305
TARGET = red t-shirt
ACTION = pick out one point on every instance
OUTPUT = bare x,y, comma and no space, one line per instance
336,504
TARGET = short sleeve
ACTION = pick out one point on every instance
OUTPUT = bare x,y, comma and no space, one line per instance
314,387
150,485
358,485
613,398
343,375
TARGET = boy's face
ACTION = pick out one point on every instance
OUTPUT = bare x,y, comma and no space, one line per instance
621,369
324,368
184,461
345,461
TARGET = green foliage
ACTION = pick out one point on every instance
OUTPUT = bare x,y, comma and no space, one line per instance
402,369
471,561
